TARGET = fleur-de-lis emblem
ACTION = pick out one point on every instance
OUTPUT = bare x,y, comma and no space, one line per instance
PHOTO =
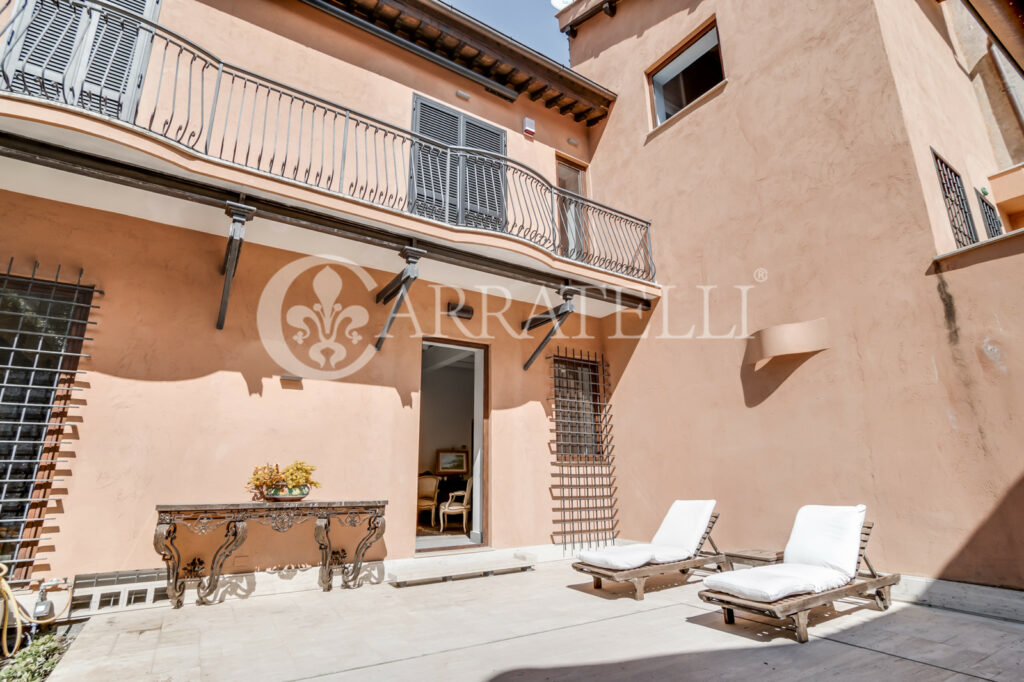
326,317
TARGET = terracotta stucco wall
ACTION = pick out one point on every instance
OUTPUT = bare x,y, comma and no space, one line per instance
176,411
810,163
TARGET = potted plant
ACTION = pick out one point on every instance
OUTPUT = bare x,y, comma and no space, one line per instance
293,483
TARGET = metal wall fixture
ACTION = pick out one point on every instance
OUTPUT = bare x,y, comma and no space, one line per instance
460,310
555,317
398,288
240,215
159,82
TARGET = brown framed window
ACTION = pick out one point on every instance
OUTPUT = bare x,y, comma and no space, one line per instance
571,177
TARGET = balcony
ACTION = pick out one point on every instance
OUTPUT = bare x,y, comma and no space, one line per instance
94,57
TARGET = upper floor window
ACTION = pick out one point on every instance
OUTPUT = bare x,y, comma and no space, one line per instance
957,208
460,187
694,70
993,223
571,221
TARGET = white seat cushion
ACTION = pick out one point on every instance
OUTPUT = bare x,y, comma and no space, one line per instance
684,526
676,540
619,558
769,583
826,536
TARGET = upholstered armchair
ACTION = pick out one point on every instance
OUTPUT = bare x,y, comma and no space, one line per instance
426,496
454,507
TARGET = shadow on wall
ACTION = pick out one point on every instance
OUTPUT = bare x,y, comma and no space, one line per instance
760,382
996,548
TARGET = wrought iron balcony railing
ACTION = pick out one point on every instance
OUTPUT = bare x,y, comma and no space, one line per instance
110,59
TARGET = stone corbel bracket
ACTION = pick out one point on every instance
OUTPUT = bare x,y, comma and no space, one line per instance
793,338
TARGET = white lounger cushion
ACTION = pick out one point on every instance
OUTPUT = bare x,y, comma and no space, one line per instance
619,558
684,525
624,557
826,536
676,540
768,583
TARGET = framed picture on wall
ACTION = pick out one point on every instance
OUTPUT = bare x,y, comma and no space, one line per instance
452,462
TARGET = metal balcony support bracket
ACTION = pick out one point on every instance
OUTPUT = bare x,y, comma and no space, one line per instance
398,287
556,316
240,215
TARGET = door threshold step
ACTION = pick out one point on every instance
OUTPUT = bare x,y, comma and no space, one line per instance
475,567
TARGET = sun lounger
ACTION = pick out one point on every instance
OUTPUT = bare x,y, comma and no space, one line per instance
676,547
822,563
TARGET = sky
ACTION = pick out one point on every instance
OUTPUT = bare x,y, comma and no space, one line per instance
531,22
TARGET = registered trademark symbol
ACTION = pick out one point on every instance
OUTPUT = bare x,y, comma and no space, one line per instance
760,275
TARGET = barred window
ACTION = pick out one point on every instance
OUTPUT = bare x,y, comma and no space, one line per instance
957,207
584,465
990,214
42,328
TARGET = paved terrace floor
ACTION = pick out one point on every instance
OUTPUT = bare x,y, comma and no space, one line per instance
547,624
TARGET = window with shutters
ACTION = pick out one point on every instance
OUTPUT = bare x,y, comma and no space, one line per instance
90,59
458,186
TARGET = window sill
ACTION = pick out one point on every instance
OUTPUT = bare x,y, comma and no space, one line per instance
1006,236
682,113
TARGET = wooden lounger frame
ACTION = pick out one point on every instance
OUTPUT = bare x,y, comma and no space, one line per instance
798,607
639,576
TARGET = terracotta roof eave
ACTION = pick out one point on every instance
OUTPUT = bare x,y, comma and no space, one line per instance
513,45
429,29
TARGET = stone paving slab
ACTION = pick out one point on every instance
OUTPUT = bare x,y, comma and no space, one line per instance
545,624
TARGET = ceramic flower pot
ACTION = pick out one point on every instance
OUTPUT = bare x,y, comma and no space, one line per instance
282,493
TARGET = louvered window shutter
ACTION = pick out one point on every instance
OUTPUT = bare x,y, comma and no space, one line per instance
39,47
478,180
112,72
484,177
431,163
67,53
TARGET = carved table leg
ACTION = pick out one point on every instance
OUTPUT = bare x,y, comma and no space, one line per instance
234,536
163,542
323,538
375,529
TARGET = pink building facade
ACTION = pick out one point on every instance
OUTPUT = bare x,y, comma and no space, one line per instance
248,188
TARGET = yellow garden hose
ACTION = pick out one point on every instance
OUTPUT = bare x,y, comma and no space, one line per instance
20,615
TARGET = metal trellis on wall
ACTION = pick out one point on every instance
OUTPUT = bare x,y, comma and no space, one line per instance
584,461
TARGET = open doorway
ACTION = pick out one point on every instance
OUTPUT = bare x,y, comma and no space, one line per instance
451,447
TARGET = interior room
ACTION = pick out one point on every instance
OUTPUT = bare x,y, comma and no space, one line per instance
450,447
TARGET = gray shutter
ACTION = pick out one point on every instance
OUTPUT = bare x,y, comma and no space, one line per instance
484,177
111,75
478,180
431,163
39,48
68,54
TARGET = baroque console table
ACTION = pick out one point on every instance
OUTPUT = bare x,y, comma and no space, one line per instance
280,516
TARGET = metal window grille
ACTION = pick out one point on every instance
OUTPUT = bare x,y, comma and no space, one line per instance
583,449
956,203
43,324
989,213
